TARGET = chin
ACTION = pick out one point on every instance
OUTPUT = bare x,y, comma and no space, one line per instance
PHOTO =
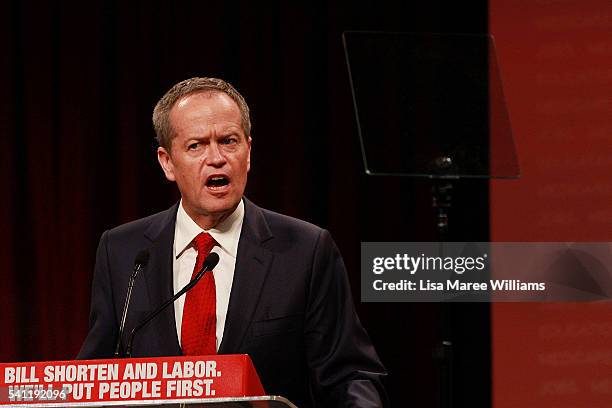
220,206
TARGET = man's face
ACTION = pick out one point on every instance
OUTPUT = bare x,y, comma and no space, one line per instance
209,157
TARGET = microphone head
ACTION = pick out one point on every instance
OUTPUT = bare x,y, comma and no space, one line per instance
211,261
142,258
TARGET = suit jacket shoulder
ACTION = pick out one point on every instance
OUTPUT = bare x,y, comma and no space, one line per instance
150,226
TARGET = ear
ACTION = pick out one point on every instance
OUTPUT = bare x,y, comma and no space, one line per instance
249,154
165,161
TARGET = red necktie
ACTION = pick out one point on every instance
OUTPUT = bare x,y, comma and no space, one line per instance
198,330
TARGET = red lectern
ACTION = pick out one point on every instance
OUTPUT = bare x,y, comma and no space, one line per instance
219,380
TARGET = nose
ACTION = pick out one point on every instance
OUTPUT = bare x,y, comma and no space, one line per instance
215,156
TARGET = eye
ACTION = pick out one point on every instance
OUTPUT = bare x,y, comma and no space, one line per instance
193,146
229,140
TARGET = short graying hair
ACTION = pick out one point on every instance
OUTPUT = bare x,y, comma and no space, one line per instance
161,113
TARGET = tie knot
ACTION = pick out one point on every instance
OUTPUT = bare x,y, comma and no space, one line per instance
204,243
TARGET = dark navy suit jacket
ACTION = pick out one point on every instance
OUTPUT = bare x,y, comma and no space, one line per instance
290,307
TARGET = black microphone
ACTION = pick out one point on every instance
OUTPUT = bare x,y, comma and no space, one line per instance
140,262
209,264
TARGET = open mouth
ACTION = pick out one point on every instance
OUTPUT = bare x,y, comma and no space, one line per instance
217,182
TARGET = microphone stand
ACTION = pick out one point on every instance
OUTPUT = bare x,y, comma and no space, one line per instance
141,260
209,264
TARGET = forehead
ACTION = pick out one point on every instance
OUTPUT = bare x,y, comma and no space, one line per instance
206,108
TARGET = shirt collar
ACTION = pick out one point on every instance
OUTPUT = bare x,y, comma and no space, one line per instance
227,233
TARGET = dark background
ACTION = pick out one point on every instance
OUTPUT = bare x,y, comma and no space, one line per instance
79,81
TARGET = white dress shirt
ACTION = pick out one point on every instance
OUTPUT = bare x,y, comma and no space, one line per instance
227,235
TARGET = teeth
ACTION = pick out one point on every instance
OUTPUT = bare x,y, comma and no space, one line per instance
217,181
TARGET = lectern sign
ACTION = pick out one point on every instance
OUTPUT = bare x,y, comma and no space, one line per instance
128,379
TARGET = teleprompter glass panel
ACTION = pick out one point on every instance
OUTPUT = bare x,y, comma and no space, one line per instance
430,105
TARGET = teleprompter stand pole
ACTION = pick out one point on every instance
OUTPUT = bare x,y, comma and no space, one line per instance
443,352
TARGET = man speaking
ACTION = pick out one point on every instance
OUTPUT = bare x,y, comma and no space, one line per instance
279,292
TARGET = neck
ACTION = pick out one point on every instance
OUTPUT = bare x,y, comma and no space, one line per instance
207,222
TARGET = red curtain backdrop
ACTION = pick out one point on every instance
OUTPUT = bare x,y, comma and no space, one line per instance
78,81
555,58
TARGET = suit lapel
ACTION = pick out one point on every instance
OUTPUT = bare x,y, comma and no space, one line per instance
159,278
252,264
